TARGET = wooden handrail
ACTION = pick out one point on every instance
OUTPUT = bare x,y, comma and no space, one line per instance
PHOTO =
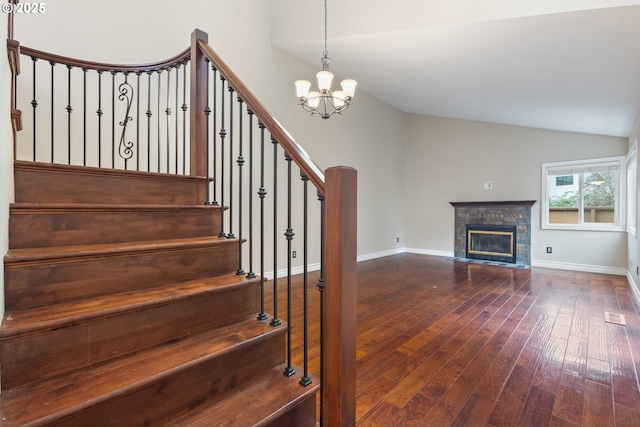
286,141
103,66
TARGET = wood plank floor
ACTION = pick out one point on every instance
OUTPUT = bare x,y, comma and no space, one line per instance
443,343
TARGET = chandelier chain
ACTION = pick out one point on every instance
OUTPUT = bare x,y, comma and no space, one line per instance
326,52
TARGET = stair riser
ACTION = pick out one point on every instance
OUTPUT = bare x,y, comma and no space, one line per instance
35,182
189,388
31,284
27,227
51,352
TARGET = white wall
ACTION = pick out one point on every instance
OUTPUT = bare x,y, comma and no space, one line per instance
633,243
6,154
448,160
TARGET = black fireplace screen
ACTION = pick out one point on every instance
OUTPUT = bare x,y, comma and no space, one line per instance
491,242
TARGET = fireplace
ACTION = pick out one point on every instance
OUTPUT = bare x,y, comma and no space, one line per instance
491,242
501,231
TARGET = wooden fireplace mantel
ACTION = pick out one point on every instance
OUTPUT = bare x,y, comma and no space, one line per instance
494,203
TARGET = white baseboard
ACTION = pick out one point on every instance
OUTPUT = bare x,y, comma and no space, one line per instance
589,268
634,288
382,254
433,252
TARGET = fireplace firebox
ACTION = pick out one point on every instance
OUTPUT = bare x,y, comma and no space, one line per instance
491,242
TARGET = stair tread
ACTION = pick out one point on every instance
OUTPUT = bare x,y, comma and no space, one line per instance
250,406
106,249
56,397
68,313
30,165
92,207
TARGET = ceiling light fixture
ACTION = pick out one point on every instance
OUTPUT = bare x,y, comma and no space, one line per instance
325,102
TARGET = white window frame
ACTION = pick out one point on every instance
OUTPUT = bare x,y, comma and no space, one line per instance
632,195
620,197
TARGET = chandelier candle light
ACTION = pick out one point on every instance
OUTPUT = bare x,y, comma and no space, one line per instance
325,102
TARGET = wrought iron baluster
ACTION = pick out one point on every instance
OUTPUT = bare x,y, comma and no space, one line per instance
69,111
207,112
230,235
262,193
250,274
168,117
240,162
275,321
34,104
125,148
289,371
215,139
113,118
159,71
84,116
176,120
149,114
320,286
53,64
99,113
223,134
138,72
184,118
306,379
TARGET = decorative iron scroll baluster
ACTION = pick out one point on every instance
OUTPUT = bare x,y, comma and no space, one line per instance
149,114
34,104
275,321
69,111
84,116
138,120
320,286
125,149
306,379
230,235
262,193
168,113
250,274
53,64
289,371
207,113
223,134
99,113
240,162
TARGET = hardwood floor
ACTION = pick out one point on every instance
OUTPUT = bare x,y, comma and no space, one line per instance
443,343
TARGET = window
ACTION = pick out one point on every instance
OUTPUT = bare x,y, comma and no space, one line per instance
632,203
584,195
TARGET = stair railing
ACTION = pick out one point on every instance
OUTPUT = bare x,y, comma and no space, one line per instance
87,113
239,147
336,193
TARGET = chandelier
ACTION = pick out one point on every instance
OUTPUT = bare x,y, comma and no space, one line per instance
325,102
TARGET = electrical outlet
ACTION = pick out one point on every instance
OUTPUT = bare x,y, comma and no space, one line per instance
397,240
294,254
549,250
488,185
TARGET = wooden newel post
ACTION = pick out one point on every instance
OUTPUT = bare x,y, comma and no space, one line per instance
339,350
198,103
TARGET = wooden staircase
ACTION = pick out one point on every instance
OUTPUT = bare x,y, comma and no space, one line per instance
123,309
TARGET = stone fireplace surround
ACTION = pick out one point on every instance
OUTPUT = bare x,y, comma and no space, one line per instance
508,212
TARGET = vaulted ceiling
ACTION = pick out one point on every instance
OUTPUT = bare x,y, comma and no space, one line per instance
569,65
